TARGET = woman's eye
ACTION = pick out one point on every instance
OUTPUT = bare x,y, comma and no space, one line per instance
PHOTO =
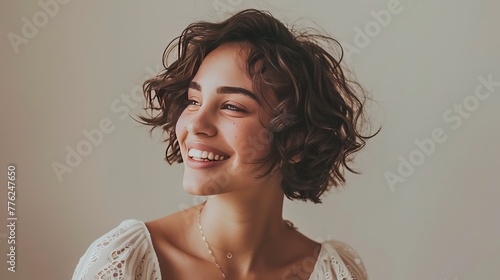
232,108
192,102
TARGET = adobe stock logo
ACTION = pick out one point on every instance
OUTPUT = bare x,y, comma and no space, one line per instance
40,19
92,138
455,117
380,19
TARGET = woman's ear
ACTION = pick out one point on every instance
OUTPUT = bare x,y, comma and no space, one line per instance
295,159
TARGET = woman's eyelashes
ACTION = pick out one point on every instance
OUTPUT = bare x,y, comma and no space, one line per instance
225,106
192,102
232,107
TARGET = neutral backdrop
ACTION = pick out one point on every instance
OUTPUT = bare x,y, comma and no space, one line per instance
78,68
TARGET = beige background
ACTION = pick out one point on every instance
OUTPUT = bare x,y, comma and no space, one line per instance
440,223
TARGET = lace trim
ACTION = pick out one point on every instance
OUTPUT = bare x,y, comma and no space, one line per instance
340,268
96,253
354,264
341,262
140,267
354,276
117,263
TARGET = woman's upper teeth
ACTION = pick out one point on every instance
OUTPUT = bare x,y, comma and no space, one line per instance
199,154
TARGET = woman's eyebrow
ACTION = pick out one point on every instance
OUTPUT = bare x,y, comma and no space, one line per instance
227,90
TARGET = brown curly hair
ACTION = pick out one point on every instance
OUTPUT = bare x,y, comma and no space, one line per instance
318,105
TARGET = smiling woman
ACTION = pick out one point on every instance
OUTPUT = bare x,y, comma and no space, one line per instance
268,110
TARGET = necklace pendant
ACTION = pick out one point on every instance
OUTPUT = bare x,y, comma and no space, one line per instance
229,255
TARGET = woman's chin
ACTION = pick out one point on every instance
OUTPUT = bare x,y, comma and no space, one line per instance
196,184
201,189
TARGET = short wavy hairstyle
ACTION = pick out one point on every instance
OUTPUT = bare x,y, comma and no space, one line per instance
320,113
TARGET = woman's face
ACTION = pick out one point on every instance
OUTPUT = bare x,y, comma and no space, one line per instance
222,131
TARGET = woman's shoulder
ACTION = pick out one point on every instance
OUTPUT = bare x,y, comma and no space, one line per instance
124,252
340,260
170,230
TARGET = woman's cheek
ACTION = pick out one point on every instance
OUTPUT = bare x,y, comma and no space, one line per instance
253,143
180,127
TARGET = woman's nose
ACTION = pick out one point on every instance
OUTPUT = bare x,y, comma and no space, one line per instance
202,123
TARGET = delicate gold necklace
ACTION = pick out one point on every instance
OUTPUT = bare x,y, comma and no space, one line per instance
229,255
208,246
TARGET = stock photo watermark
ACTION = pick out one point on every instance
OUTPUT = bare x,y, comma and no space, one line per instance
31,26
454,117
11,221
92,138
364,35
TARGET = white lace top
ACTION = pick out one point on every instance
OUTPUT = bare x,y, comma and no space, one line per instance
126,252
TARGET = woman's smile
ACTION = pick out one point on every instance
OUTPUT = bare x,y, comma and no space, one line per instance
200,155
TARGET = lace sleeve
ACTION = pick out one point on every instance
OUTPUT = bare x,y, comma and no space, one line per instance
125,252
352,261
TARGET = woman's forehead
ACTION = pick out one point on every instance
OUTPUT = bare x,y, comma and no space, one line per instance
226,66
232,52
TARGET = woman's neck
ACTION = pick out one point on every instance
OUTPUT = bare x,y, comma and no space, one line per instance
247,227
